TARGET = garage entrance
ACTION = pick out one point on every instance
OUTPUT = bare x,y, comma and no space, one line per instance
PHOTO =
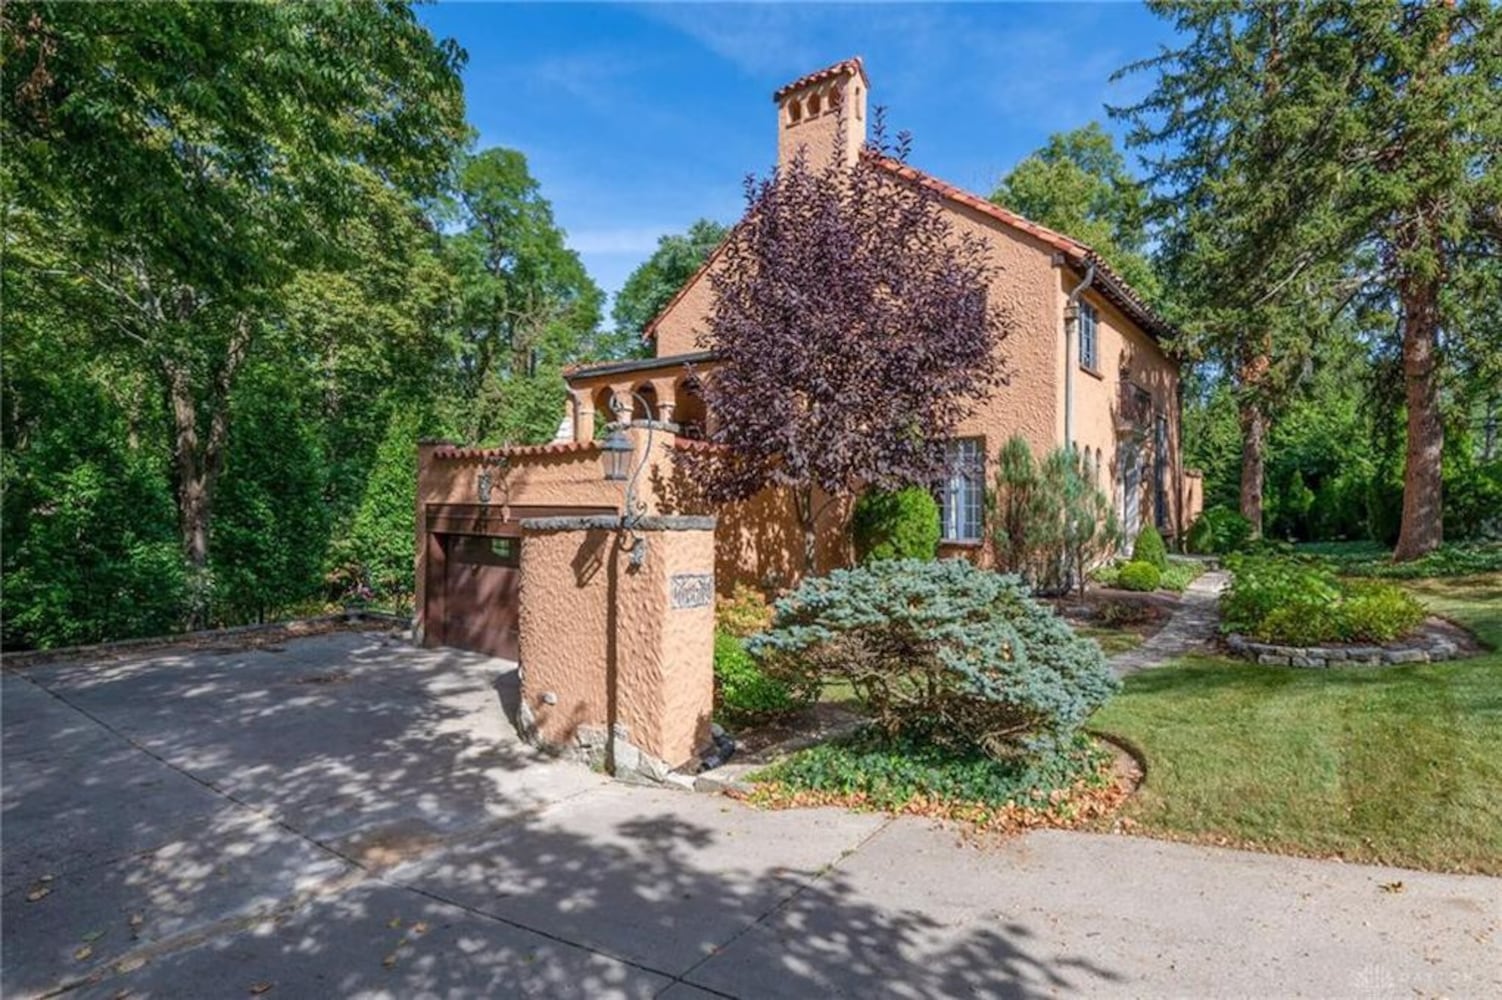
473,574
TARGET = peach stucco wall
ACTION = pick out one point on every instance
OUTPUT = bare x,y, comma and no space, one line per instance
595,630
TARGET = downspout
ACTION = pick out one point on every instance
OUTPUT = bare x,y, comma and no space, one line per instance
1071,333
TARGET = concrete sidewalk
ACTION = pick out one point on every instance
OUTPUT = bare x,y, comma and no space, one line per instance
350,816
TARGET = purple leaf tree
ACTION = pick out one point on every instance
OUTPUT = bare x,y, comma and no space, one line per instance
854,333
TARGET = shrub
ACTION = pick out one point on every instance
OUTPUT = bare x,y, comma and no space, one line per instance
1149,548
744,613
1140,576
1180,574
1303,603
1217,531
941,651
1114,614
745,691
900,524
1049,522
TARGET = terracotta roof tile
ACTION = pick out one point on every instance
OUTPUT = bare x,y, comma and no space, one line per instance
841,68
515,451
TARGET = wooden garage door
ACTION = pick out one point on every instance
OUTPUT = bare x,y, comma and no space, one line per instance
481,590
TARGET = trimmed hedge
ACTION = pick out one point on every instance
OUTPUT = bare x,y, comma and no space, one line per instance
941,651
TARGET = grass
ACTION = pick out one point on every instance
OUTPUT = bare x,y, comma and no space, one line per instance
1111,640
1399,765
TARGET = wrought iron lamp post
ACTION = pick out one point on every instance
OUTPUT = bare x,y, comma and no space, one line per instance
617,457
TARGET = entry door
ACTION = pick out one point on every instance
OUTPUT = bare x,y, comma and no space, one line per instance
1131,489
481,593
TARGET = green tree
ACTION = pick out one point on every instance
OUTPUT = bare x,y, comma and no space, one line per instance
381,541
271,521
656,280
1307,147
185,161
1079,184
526,305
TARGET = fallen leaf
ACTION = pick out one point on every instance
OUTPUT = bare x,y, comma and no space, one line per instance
256,989
394,922
389,960
38,892
421,927
1391,886
129,964
92,936
136,920
84,952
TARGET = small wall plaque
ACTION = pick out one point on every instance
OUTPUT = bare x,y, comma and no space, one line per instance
691,590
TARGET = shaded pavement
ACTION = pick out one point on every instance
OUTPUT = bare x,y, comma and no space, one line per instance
346,815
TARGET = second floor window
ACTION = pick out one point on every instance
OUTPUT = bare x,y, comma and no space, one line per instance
962,497
1088,351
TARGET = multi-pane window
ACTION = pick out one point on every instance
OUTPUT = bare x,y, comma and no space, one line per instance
1088,350
962,498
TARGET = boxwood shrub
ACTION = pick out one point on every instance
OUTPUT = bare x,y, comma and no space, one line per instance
746,693
1149,548
901,524
1139,576
943,652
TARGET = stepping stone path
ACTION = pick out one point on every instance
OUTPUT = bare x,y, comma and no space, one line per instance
1190,630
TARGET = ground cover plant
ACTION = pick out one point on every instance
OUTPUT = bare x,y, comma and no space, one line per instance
1302,602
875,770
1399,765
1374,559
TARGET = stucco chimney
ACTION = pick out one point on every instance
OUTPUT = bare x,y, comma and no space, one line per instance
824,114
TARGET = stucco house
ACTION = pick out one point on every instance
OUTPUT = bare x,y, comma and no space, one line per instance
1088,356
1088,365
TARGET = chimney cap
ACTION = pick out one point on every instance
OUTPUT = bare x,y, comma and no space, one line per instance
846,67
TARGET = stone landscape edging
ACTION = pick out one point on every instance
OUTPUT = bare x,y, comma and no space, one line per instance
1424,647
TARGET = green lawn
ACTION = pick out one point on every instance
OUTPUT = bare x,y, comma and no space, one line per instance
1401,765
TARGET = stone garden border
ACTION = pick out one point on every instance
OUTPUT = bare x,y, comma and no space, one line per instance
1431,643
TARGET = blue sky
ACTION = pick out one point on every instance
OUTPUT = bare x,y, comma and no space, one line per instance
639,119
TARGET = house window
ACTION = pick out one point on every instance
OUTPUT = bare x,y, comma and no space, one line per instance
1088,352
962,499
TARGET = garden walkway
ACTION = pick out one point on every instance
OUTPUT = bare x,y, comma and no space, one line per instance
1189,630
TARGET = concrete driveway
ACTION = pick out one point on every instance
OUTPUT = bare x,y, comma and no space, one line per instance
346,815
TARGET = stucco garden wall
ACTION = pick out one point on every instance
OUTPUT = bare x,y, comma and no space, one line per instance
605,644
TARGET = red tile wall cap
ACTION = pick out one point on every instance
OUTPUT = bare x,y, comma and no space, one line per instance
853,65
694,444
515,451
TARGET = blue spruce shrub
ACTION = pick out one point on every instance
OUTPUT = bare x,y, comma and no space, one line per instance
941,651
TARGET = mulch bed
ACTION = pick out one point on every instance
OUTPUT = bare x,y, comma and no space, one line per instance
1139,613
754,742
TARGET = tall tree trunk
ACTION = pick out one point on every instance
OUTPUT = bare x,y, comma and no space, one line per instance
1253,461
198,454
1423,474
808,521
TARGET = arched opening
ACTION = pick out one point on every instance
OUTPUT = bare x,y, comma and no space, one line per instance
795,111
644,408
603,413
688,406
